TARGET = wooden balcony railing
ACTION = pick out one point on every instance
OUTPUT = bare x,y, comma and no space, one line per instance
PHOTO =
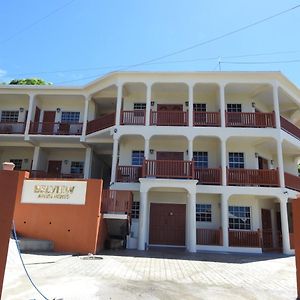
12,127
292,181
128,173
43,174
101,123
247,119
244,238
133,117
253,177
290,128
211,237
168,169
116,202
209,176
48,128
211,119
169,118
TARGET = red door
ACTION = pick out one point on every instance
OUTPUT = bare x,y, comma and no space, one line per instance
262,163
48,122
167,224
267,233
169,164
54,168
170,114
166,155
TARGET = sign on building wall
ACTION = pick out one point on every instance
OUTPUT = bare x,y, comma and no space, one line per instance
54,192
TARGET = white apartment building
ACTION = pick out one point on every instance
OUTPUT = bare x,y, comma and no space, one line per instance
210,157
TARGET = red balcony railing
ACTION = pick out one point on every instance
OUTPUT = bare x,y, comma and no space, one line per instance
292,181
211,119
244,238
169,118
290,127
101,123
116,202
209,176
133,117
128,173
43,174
12,127
253,177
247,119
48,128
209,236
169,169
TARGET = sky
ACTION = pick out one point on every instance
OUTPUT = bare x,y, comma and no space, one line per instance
72,42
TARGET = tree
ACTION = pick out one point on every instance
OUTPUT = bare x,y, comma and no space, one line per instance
29,81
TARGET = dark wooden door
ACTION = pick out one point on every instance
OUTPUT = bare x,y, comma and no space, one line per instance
279,231
267,232
170,169
166,155
167,224
48,122
169,107
262,163
54,168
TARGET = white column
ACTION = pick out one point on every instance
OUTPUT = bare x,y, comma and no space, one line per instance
190,149
222,105
148,104
187,223
143,217
88,163
224,214
146,149
191,105
223,162
273,222
192,222
85,116
276,105
284,226
36,156
114,161
30,112
280,163
119,104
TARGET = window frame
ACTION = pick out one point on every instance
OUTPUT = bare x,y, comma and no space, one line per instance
16,161
73,117
139,106
139,159
239,209
135,210
204,212
12,116
237,163
201,107
199,161
234,107
80,167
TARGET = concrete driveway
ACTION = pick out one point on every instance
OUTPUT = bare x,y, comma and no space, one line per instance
156,274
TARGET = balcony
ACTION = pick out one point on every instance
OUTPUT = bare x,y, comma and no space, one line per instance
12,127
168,169
101,123
133,117
128,173
209,176
244,238
208,119
43,174
246,119
290,128
292,182
169,118
212,237
253,177
47,128
116,202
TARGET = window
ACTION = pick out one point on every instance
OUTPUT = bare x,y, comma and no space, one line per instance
139,106
137,158
77,167
199,106
201,159
234,107
18,163
9,116
203,212
236,160
70,117
239,217
135,210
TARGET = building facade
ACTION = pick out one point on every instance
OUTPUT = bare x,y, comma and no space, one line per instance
210,157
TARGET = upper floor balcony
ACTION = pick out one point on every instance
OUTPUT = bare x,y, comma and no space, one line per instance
50,128
12,127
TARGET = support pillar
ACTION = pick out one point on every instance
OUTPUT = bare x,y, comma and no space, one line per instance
280,163
187,224
88,163
114,161
119,104
148,104
146,149
29,115
192,222
85,116
143,217
284,226
191,105
222,105
224,216
276,105
190,149
35,159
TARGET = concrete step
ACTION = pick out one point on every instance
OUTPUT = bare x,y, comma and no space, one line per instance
34,245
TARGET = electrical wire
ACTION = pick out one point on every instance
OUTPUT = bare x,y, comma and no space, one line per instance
260,62
19,251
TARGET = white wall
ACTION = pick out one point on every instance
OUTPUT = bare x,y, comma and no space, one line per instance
212,146
6,154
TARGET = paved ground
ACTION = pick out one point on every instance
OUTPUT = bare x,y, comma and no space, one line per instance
168,274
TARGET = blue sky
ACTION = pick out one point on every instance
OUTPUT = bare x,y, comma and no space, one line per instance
88,38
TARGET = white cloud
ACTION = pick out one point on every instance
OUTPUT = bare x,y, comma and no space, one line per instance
2,73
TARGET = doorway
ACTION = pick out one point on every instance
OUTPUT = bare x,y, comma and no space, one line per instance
54,168
267,231
262,163
48,122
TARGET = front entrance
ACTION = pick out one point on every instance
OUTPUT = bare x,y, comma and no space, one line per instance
167,224
267,232
54,167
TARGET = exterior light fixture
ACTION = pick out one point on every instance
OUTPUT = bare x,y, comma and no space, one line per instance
152,103
151,151
272,162
58,110
66,161
186,103
256,154
21,109
187,151
253,104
